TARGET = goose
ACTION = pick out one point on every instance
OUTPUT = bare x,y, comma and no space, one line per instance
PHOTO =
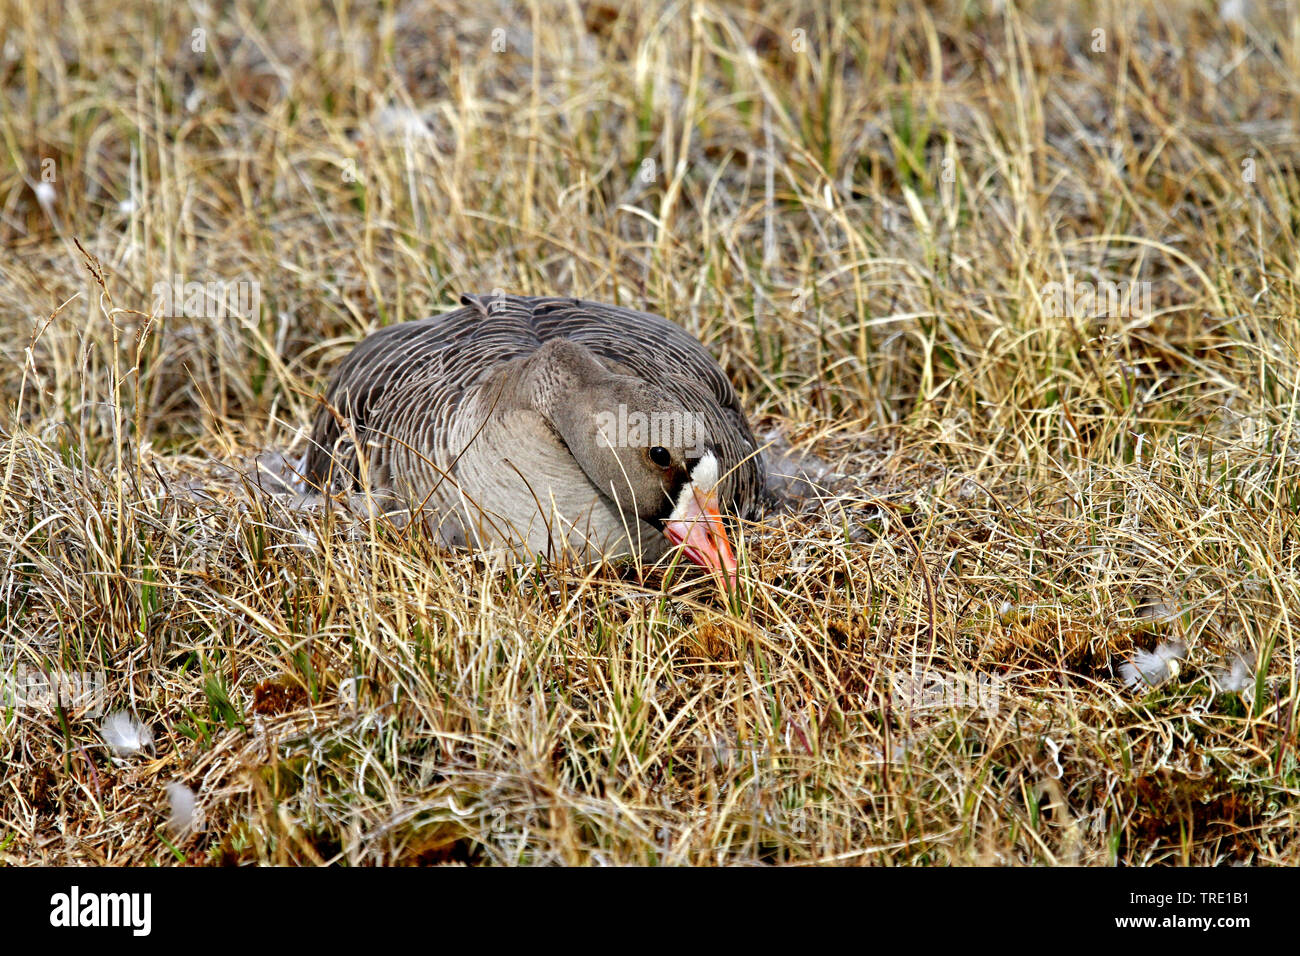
545,425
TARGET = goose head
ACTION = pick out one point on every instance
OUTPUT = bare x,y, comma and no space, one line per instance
648,453
695,523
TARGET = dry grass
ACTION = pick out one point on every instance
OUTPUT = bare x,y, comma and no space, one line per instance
860,212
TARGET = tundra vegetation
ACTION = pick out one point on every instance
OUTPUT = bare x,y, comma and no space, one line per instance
1032,601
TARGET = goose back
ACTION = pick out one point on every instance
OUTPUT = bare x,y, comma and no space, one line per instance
420,388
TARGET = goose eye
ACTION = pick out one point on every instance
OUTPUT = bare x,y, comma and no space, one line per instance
661,456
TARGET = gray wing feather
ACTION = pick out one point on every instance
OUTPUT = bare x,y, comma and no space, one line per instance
408,383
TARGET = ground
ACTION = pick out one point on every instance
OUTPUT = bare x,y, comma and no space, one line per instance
1017,283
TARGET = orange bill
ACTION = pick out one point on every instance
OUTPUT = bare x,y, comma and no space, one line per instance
702,537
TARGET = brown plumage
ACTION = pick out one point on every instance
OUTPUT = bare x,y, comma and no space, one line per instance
500,423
